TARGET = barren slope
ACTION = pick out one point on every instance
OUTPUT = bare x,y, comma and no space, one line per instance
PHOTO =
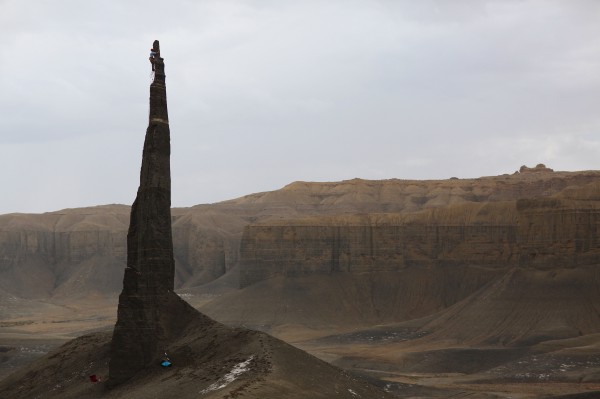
210,361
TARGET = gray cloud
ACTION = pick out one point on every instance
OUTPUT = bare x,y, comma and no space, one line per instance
262,93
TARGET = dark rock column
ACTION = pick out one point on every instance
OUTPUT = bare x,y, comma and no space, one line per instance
147,305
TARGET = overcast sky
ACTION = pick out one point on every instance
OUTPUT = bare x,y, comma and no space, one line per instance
264,93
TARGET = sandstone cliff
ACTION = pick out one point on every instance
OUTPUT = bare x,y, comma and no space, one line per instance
39,254
43,255
542,232
78,251
374,243
394,267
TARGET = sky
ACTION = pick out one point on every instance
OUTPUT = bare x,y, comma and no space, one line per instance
267,92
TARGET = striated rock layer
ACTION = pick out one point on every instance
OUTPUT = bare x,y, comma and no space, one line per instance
542,233
79,251
293,251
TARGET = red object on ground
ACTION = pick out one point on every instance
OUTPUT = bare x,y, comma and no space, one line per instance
94,378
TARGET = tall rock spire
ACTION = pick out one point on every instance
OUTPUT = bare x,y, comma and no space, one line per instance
149,239
145,317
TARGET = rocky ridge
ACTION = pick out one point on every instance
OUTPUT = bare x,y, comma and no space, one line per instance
66,245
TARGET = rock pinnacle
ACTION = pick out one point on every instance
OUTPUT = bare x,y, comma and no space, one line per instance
149,312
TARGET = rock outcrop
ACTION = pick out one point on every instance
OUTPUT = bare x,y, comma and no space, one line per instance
83,251
42,255
539,168
150,314
543,232
293,251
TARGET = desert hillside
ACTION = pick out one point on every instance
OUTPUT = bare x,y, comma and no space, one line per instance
76,251
446,287
209,359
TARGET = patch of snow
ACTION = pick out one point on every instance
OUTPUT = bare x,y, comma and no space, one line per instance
228,378
353,393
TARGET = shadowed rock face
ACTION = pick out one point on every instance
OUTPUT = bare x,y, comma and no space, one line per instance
149,240
149,312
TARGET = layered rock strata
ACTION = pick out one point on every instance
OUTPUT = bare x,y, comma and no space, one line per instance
558,233
542,233
293,251
68,247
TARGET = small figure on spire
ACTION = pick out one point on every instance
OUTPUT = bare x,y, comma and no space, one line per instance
153,55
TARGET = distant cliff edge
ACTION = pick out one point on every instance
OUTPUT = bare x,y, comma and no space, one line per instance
527,219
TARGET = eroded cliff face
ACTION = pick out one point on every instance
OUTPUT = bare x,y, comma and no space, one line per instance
76,252
558,233
44,254
40,253
542,233
292,251
508,273
204,251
